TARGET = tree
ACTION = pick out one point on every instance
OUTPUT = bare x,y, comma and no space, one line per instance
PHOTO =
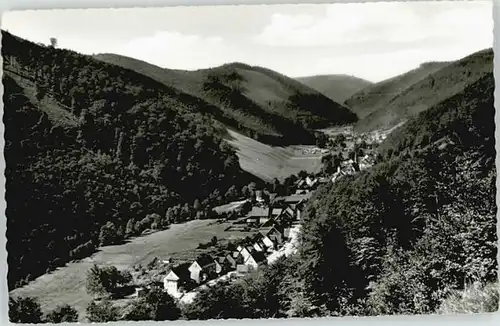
302,174
63,314
105,280
156,305
162,304
101,312
231,193
25,310
196,205
107,235
140,310
53,42
94,281
129,230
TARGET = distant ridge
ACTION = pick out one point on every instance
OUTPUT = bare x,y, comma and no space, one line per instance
390,102
337,87
258,102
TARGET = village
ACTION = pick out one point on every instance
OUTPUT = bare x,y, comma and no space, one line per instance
274,221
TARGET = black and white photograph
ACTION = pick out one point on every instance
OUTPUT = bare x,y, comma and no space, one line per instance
250,161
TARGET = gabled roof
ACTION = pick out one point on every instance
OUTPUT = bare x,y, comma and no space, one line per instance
273,231
277,211
258,212
172,276
178,272
204,261
259,257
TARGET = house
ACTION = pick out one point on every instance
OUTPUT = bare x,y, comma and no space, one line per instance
259,247
140,292
311,182
223,265
258,215
259,197
264,242
245,252
275,235
256,260
202,268
234,260
175,278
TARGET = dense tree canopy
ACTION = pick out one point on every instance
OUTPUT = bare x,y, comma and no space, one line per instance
100,147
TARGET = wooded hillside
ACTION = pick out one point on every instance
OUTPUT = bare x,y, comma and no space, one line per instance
96,153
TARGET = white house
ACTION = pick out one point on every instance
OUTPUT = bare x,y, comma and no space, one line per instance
202,268
256,260
171,283
176,277
245,252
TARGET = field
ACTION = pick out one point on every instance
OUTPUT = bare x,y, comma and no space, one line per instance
268,162
67,284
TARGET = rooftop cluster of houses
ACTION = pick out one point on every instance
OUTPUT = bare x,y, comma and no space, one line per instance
314,151
281,211
276,220
350,167
308,184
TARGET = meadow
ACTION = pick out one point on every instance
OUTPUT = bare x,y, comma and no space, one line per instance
269,162
67,284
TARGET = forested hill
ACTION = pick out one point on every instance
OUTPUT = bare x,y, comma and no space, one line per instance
416,226
378,95
99,153
428,91
337,87
256,101
461,120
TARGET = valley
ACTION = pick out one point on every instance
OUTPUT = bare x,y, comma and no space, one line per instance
137,192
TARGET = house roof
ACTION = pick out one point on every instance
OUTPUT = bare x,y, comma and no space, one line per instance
204,260
172,276
178,272
259,256
277,211
258,212
273,231
295,198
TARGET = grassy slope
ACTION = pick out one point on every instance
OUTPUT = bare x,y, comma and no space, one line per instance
269,162
429,91
264,100
67,284
337,87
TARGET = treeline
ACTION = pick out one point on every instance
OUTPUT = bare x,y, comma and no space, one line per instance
135,156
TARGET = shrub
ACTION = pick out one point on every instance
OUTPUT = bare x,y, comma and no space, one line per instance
474,298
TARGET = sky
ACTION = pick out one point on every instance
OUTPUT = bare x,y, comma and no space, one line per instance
374,41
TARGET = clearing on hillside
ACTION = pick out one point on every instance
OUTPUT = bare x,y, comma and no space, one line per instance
268,162
67,284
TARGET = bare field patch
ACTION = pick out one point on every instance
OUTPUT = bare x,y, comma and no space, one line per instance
268,162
